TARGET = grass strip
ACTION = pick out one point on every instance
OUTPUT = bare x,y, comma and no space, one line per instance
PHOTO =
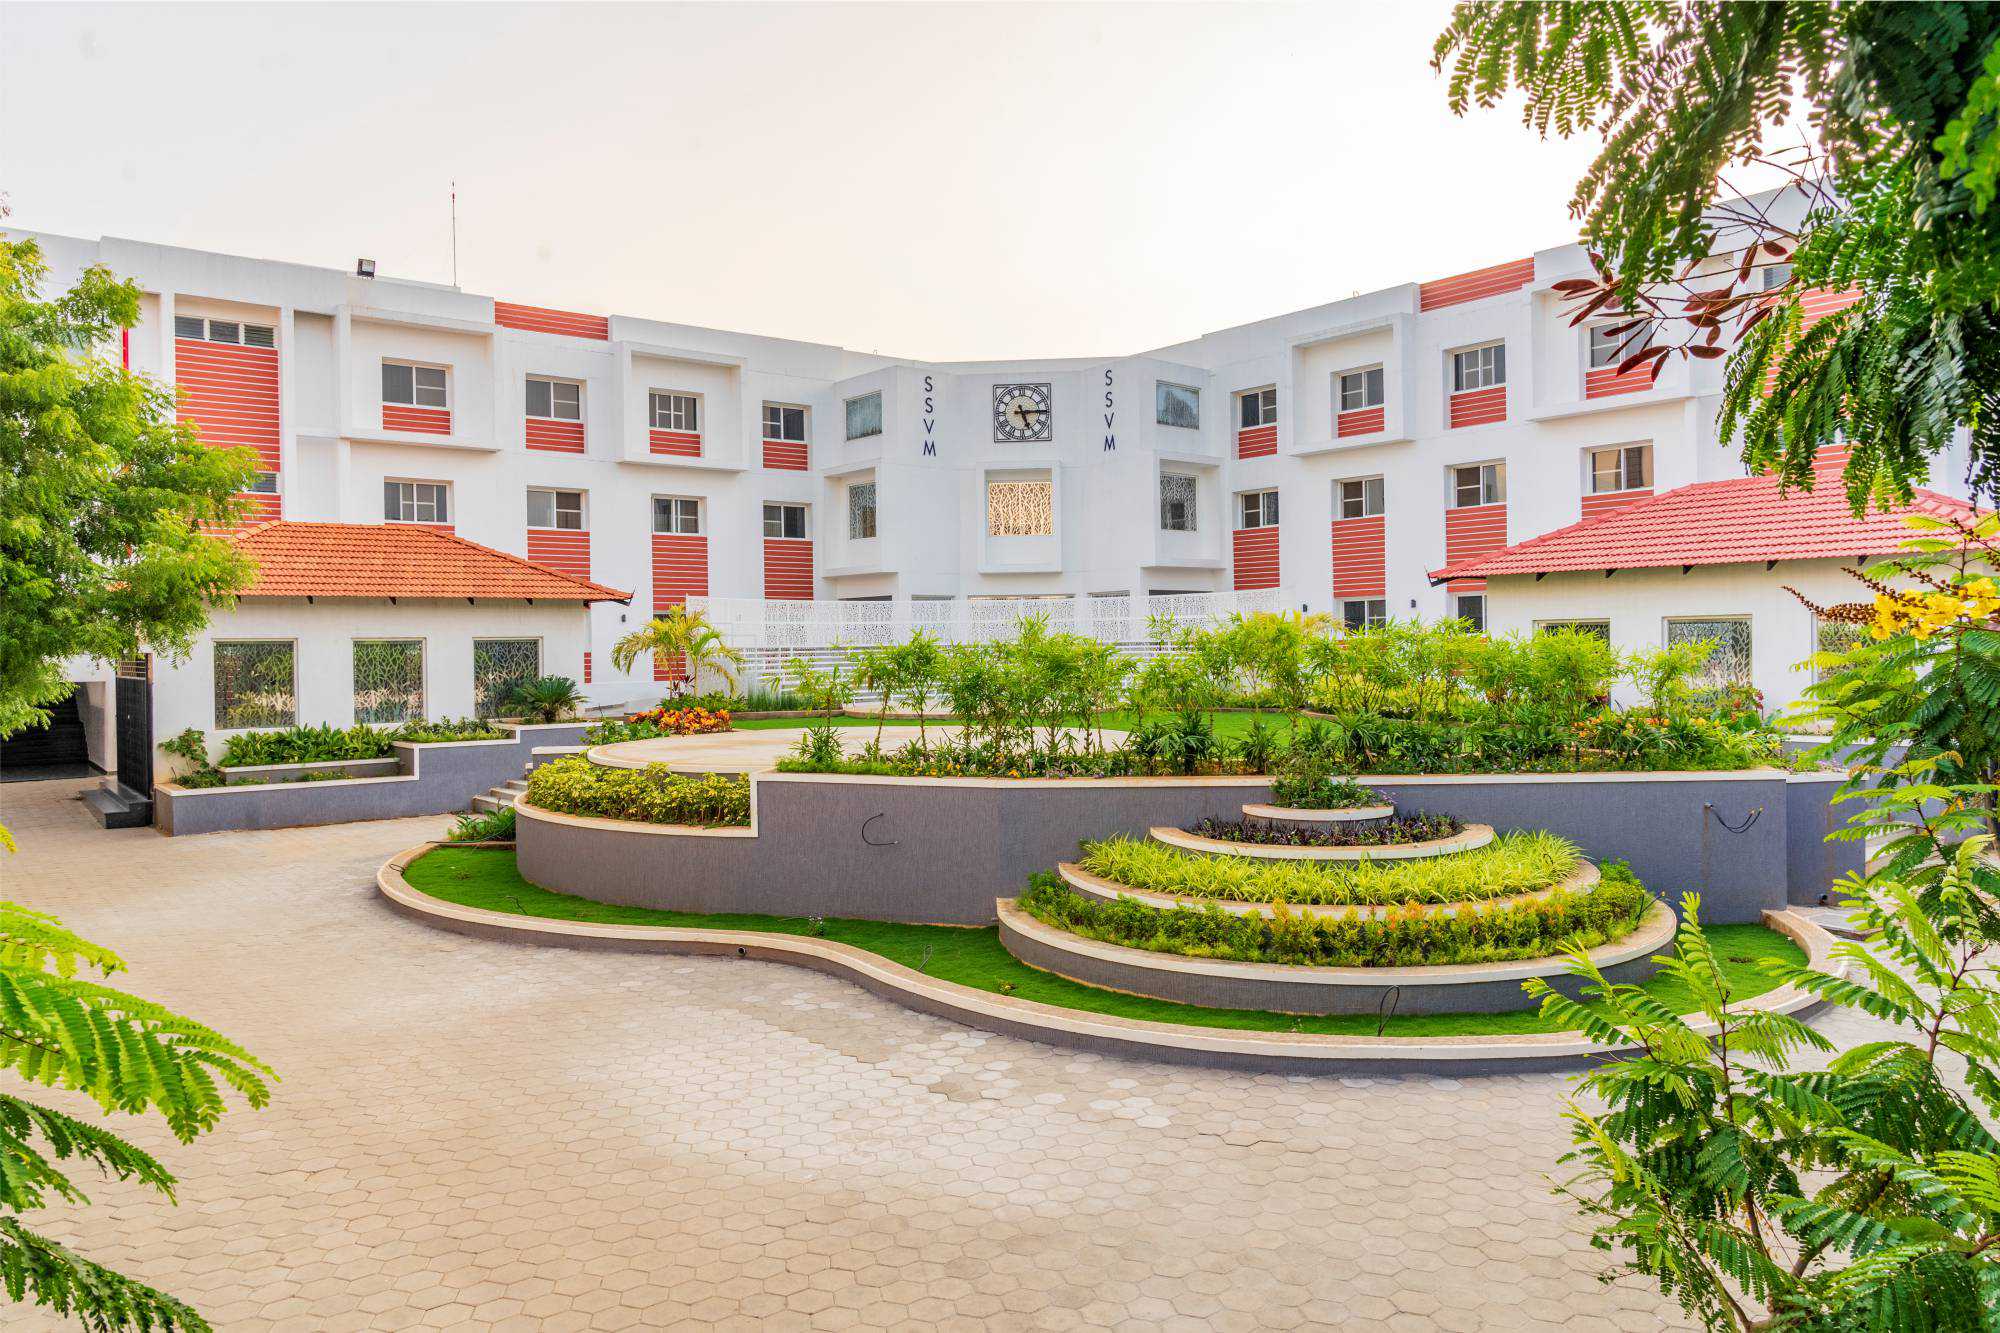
973,956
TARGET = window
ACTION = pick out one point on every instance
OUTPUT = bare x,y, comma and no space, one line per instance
1364,612
418,386
1177,492
676,411
864,416
784,520
1836,636
558,400
861,510
1361,388
498,665
562,510
1177,405
224,331
262,483
1479,368
255,685
1471,608
1260,407
388,680
1359,499
1776,275
1627,468
677,514
415,502
1478,484
1600,628
1729,664
785,423
1260,509
1020,508
1612,343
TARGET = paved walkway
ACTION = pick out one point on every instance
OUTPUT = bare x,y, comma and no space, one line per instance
483,1135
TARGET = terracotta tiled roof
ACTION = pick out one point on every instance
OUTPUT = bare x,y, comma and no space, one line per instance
1739,521
396,560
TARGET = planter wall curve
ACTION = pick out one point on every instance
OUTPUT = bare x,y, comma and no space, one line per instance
1581,880
1468,839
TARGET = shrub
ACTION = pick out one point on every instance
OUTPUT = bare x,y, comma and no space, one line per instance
305,745
650,795
544,699
1296,790
687,720
1410,936
445,730
1512,863
490,826
192,746
1389,832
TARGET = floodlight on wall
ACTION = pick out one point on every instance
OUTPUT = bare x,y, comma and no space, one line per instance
364,268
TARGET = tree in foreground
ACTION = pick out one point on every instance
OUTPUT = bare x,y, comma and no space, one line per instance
62,1030
1903,101
679,635
1865,1195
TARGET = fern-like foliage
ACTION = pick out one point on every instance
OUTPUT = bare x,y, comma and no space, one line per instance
1865,1195
59,1028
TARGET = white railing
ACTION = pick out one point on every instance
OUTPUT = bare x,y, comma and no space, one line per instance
770,633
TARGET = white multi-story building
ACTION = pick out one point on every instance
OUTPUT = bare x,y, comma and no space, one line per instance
1338,453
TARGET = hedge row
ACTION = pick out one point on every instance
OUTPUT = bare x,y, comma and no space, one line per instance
650,795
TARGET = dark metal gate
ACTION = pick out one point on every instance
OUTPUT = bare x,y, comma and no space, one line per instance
134,726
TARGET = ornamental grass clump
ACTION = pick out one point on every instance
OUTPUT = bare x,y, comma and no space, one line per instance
649,795
1410,936
1513,863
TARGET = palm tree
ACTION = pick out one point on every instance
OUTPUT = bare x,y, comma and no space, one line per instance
683,635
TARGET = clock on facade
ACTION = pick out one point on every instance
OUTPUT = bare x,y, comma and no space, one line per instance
1020,413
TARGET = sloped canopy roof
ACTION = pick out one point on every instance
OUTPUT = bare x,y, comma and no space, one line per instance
377,560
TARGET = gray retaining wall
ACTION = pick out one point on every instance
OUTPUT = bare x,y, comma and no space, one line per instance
432,778
942,850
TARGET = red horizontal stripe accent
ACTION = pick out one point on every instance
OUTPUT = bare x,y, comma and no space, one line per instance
425,420
540,319
788,568
1255,554
1465,585
1605,381
1471,531
1360,557
563,437
680,571
787,455
230,396
1593,505
1478,407
1476,285
1256,441
677,442
1361,421
563,550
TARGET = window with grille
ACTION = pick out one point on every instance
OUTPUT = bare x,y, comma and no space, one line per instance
414,385
1478,484
677,514
556,400
562,510
1177,405
388,680
861,510
256,684
1479,368
864,416
415,502
1361,498
498,666
782,520
785,423
1177,497
676,411
1360,389
1729,664
1020,509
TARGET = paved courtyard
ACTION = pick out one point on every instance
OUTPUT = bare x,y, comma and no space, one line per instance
484,1135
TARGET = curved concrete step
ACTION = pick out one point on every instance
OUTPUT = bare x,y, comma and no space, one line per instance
1581,880
1468,839
1285,814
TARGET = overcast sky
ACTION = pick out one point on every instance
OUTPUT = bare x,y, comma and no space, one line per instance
948,182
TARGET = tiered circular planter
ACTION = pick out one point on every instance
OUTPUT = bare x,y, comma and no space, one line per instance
1300,989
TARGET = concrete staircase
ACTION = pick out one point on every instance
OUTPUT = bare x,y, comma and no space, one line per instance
500,797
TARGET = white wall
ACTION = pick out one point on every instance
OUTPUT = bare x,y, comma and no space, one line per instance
323,635
1638,604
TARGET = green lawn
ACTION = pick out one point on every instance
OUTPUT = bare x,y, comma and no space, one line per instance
973,956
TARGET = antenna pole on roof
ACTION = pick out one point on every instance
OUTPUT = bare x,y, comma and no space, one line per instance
454,233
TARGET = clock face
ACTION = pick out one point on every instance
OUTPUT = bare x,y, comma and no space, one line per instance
1020,413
